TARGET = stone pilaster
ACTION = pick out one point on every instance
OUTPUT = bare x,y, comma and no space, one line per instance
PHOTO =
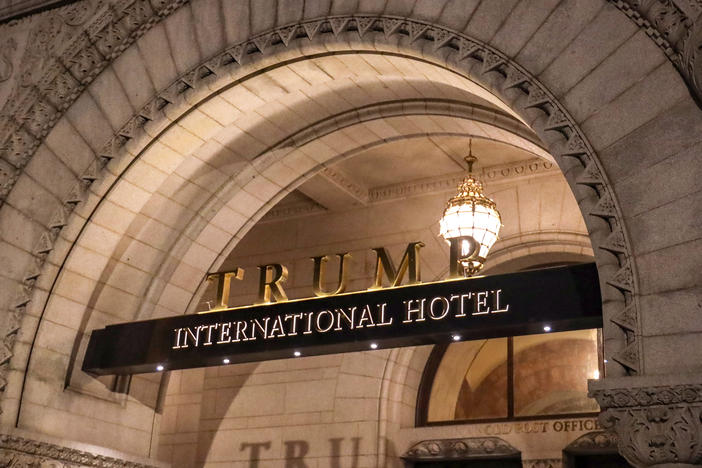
656,419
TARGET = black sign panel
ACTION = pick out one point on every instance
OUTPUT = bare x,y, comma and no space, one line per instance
552,299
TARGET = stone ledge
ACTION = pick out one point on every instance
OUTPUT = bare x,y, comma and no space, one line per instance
24,448
621,392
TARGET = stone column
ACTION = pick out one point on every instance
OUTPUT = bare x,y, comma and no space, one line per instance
656,418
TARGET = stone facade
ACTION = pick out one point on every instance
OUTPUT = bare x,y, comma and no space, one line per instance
140,141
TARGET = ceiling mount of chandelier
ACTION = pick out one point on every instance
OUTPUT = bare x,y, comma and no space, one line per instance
471,220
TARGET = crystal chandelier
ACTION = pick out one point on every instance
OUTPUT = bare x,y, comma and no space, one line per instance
471,222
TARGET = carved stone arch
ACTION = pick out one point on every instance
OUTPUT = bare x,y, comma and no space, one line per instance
675,27
67,49
440,46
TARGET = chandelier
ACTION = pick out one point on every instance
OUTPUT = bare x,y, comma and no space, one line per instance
471,222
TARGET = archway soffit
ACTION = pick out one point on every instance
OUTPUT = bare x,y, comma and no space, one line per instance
277,151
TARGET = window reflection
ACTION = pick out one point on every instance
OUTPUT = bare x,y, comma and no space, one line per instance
483,392
551,373
524,376
471,382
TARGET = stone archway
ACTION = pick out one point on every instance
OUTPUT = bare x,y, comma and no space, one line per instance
390,34
550,121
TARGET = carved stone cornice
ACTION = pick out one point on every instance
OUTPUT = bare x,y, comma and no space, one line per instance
460,449
447,183
489,174
675,26
293,210
648,396
20,452
655,424
349,186
593,442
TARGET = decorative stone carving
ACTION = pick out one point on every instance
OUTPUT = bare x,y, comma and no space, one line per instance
292,210
655,425
78,13
460,449
500,172
20,453
351,187
58,81
543,463
442,184
67,49
6,57
676,27
593,442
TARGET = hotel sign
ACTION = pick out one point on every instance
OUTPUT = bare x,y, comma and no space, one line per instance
556,299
